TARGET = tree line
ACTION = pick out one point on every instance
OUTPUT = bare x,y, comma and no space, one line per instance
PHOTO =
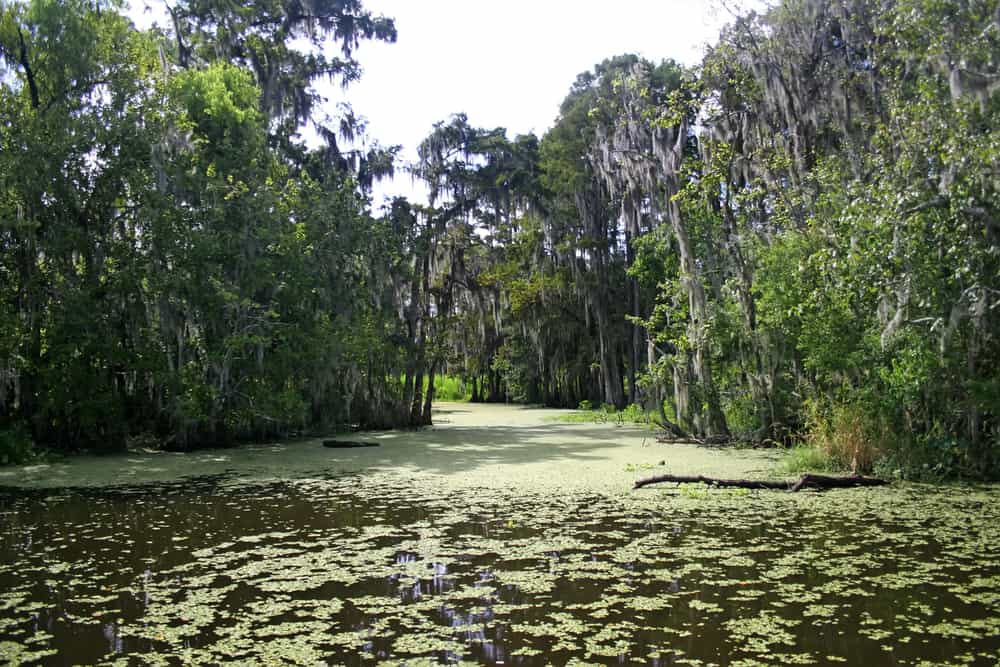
174,260
795,238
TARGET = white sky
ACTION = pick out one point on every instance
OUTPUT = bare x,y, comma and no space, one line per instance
504,63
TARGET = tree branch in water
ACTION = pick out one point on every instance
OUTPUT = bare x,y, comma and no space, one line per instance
806,481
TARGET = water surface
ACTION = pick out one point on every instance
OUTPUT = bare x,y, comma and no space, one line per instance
489,554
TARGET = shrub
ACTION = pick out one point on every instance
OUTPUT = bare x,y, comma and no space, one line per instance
741,414
807,458
850,437
16,445
936,456
449,388
634,414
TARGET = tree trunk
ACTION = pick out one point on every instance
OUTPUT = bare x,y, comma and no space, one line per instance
416,406
429,398
671,151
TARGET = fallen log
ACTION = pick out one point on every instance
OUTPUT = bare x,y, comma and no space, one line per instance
711,441
347,444
805,482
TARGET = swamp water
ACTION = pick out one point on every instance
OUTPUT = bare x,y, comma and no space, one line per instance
496,537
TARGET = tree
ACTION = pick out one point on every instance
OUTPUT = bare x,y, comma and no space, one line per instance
173,261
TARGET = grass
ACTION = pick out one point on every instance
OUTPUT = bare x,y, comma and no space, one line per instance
808,458
847,439
607,414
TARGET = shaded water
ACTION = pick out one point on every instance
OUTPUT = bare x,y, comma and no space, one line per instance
378,568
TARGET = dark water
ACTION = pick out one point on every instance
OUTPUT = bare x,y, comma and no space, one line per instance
360,570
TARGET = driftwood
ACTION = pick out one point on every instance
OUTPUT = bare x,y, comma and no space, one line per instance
804,482
347,444
711,441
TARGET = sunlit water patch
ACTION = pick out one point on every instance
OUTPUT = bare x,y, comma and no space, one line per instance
377,569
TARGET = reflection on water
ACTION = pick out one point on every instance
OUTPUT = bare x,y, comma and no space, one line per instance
358,570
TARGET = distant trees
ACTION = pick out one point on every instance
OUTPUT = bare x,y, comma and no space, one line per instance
796,237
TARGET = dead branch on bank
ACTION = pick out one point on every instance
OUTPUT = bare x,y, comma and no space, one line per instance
710,441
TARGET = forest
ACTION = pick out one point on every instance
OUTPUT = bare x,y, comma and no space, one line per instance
795,241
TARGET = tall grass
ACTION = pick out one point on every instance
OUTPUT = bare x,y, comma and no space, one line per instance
846,439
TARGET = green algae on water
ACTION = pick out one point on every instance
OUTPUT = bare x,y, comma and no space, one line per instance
385,566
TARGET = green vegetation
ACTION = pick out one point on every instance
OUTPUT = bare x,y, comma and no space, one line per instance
814,260
172,260
496,554
447,388
608,414
16,446
794,241
808,458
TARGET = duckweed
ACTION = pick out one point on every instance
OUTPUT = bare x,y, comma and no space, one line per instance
391,567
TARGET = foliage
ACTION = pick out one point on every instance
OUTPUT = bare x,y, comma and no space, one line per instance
816,258
172,260
805,457
16,446
850,437
608,414
448,388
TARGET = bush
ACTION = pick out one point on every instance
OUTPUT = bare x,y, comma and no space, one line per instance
807,458
16,445
935,456
448,388
849,437
634,414
741,414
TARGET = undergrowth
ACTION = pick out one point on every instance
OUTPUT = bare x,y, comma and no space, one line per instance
449,388
607,414
851,438
16,446
845,438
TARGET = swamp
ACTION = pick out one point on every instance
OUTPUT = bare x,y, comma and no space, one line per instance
498,536
364,332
